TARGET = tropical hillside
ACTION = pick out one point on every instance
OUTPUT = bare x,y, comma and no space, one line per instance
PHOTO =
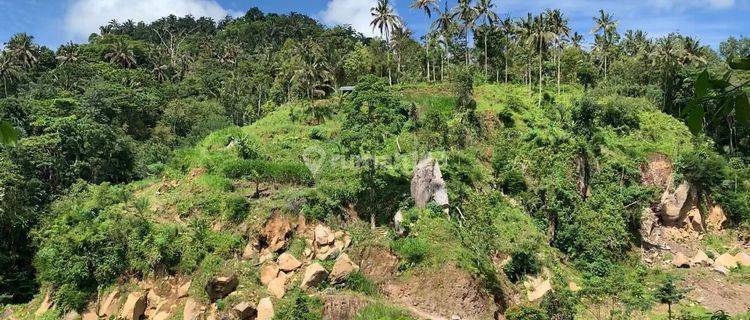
271,167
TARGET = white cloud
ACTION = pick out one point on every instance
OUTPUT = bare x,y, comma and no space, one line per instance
355,13
85,16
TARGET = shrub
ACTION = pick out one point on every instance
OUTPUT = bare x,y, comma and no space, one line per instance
267,171
522,262
560,304
525,313
300,306
412,250
235,207
358,282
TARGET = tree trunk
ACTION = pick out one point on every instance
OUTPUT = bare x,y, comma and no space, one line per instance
467,48
428,61
506,66
558,72
540,71
486,59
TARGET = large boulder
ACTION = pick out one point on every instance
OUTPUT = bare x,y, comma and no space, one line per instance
342,268
220,287
314,275
742,259
680,261
726,260
676,206
110,305
427,184
288,262
275,231
277,286
323,235
268,272
193,310
134,307
244,311
701,259
265,309
716,218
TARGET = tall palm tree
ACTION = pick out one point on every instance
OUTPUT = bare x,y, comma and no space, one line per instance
120,52
485,12
443,26
385,19
605,23
576,39
427,6
508,29
401,36
67,54
558,25
525,30
467,14
22,48
540,38
692,52
9,70
311,73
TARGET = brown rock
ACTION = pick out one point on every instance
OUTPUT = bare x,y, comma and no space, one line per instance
90,314
45,305
323,235
276,286
314,274
110,305
275,231
538,288
265,309
720,269
244,311
701,259
268,272
327,252
184,289
726,260
288,262
249,251
72,315
220,287
716,218
134,307
695,220
192,311
680,261
657,171
742,259
342,268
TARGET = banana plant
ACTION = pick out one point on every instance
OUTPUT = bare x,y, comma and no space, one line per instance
8,134
715,99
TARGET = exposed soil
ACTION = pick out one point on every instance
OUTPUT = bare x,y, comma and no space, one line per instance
717,292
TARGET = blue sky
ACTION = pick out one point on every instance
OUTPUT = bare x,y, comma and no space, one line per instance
53,22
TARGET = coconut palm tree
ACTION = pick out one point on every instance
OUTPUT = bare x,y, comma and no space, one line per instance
427,6
508,29
67,54
311,73
22,48
467,14
485,12
525,30
385,19
558,25
120,52
443,25
576,39
607,25
540,39
692,52
9,70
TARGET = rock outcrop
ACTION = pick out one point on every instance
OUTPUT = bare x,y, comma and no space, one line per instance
192,311
342,268
268,272
288,262
220,287
680,261
314,275
726,260
109,306
427,184
701,260
134,307
244,311
716,218
275,232
265,309
676,206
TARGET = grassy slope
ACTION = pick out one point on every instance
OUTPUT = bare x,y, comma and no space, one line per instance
540,146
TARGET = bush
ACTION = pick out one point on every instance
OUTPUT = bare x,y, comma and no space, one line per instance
522,262
525,313
267,171
412,250
560,304
300,306
358,282
235,207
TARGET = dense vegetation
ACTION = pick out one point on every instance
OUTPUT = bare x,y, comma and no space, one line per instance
91,130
